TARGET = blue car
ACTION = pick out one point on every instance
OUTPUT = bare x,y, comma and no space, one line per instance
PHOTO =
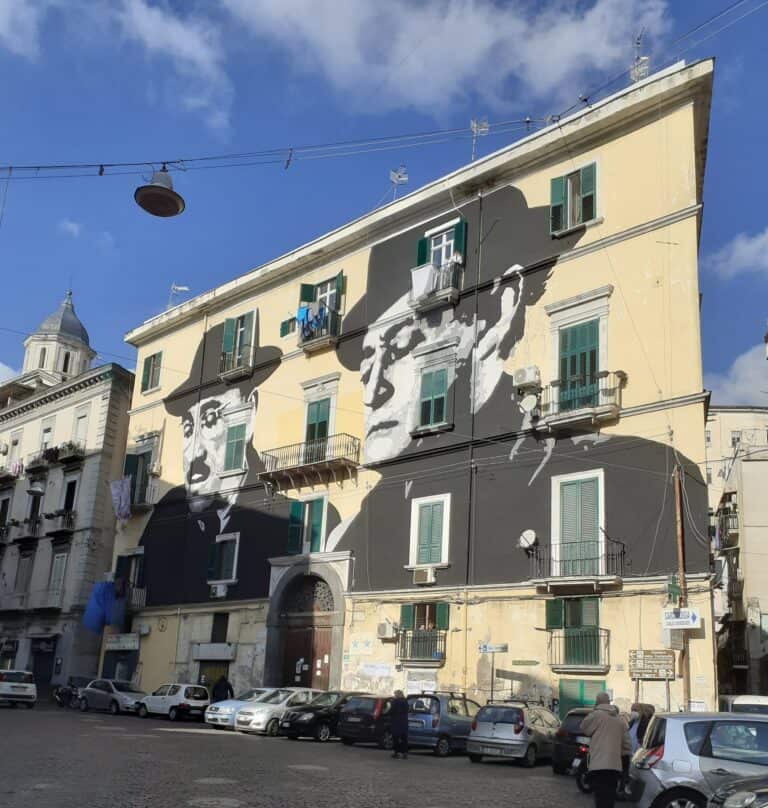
221,714
440,721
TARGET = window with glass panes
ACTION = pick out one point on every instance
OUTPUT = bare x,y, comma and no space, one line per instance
326,293
434,388
222,558
234,455
441,248
150,375
573,199
305,526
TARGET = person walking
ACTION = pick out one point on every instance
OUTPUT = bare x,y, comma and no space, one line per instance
222,690
609,741
399,725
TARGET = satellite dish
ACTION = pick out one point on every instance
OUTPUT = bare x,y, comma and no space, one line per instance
527,539
529,403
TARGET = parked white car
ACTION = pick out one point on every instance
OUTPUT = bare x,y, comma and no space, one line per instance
222,713
18,687
176,700
264,715
111,694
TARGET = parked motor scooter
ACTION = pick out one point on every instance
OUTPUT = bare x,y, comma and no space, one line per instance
62,695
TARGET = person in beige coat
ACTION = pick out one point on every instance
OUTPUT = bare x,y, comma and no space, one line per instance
609,740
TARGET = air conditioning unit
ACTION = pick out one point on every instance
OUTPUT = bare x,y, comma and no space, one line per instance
218,590
527,377
385,631
424,576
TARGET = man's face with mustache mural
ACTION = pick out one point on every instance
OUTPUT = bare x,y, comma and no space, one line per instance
204,428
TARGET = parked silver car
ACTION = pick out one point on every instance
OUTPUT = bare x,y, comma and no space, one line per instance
687,757
111,694
512,730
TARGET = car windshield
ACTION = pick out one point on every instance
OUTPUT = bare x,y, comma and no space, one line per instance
127,687
16,676
275,697
252,695
572,722
325,700
501,715
196,693
754,709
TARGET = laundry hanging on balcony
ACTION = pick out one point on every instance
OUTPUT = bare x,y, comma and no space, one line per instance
311,319
121,497
423,280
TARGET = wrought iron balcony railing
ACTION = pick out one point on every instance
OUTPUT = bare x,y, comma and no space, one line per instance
71,451
578,560
323,331
237,363
27,528
422,645
583,397
431,285
340,450
579,649
11,472
60,522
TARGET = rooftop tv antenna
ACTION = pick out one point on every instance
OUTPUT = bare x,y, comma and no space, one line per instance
175,290
479,127
641,66
398,176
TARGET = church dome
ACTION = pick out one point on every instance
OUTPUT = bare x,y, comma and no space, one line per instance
64,322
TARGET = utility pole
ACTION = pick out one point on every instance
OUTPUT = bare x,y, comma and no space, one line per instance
684,663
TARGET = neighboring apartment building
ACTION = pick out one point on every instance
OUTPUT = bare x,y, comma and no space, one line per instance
737,465
62,439
447,425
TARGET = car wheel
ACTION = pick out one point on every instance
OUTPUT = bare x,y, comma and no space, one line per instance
347,741
143,711
386,741
173,714
323,733
83,705
530,756
443,746
273,728
114,708
475,758
680,798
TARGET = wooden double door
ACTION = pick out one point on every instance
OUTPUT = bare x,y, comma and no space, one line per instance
307,657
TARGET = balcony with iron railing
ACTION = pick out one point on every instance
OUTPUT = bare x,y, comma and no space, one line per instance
422,648
433,286
728,528
30,528
39,461
320,333
336,454
236,364
579,650
71,451
573,564
11,472
582,399
60,523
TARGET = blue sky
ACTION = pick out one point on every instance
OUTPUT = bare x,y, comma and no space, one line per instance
137,80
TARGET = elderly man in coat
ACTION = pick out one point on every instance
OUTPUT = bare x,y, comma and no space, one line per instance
609,740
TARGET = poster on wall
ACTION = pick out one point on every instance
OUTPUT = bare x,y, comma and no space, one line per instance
419,681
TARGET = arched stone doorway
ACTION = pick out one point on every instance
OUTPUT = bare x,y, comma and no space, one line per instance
305,631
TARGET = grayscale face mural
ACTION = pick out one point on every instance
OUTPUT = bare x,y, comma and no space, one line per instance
204,428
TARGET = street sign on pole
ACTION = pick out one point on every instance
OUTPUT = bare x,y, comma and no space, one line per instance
680,618
493,648
651,664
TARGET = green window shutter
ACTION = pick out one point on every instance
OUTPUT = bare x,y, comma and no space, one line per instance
436,543
558,204
130,469
213,562
590,612
407,616
587,193
339,290
424,554
569,512
145,373
307,293
422,252
248,336
426,399
439,389
570,695
554,614
318,415
235,448
442,614
579,365
315,525
227,559
589,511
296,527
155,380
285,327
460,237
228,338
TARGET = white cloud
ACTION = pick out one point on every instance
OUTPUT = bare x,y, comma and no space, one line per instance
193,45
20,22
430,55
6,372
70,228
744,382
744,253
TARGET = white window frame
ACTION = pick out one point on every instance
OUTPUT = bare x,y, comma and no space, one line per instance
306,540
68,479
599,216
155,365
413,553
237,469
84,413
54,555
445,238
440,355
223,537
48,423
557,481
316,390
237,417
329,292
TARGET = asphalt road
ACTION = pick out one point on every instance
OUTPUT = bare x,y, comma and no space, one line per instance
54,758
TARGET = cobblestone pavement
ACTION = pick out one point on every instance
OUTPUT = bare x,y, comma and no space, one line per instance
52,758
